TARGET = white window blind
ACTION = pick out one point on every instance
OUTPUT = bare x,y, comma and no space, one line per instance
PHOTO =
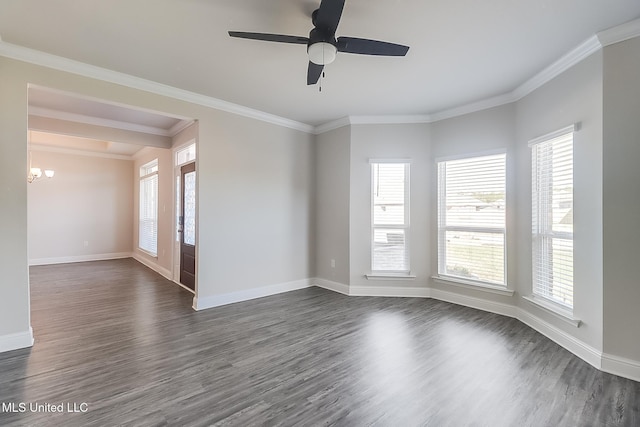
552,218
390,217
148,213
471,218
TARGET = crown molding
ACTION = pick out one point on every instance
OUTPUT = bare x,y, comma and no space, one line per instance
389,120
179,127
372,120
620,33
78,152
332,125
483,104
48,60
568,60
96,121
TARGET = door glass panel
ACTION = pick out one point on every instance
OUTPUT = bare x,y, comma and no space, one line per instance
190,208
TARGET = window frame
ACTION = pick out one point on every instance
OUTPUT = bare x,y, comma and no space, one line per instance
443,228
539,290
148,171
406,226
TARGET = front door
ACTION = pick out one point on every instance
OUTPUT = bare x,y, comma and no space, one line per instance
188,226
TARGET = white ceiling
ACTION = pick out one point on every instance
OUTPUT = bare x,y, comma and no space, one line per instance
461,51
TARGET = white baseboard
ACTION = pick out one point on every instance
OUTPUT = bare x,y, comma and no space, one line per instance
167,274
79,258
472,302
584,351
16,341
202,303
389,291
340,288
620,366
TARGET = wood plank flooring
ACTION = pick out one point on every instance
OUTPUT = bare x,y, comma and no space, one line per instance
125,341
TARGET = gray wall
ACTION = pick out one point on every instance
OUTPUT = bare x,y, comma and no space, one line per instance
332,204
389,141
486,131
622,199
573,97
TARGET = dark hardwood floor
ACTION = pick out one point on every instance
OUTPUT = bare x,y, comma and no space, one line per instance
125,341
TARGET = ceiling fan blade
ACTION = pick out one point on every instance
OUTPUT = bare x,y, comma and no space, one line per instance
328,15
313,73
279,38
370,47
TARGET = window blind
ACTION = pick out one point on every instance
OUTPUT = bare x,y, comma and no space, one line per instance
390,217
148,212
552,218
471,218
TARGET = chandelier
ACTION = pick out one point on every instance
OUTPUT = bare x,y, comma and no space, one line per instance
36,173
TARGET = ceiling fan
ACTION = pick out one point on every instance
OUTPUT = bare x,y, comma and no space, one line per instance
322,45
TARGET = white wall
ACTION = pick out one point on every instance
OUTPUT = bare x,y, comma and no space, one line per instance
162,263
622,200
83,212
574,96
332,204
389,141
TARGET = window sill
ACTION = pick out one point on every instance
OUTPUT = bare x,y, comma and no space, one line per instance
478,286
389,276
152,255
554,309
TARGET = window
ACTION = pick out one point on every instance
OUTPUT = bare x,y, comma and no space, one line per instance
148,213
390,217
471,219
552,216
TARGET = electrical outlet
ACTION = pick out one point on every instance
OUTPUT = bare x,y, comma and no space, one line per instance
86,243
333,263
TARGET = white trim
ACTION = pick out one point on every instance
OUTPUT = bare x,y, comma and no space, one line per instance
555,134
389,276
180,126
202,303
473,107
372,120
555,310
332,125
477,303
621,366
584,351
78,152
340,288
390,119
44,59
97,121
385,160
476,286
183,286
485,153
389,291
568,60
167,274
16,341
620,33
79,258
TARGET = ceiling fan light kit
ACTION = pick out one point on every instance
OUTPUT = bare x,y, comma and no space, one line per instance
322,53
322,45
